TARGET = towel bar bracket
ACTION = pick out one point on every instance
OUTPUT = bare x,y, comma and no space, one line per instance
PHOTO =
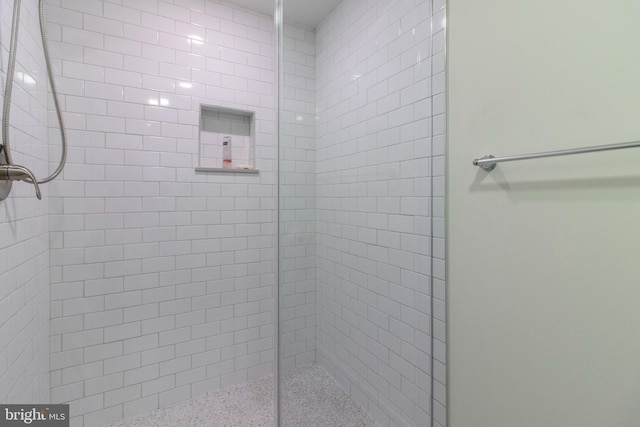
486,166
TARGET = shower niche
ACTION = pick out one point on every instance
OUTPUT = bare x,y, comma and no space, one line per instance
226,140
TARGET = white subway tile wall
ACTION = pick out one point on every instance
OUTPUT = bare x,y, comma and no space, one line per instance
380,137
162,278
24,221
438,106
297,199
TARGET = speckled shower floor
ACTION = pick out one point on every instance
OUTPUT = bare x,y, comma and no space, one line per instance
310,398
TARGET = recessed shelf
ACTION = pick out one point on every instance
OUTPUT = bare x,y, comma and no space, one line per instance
220,123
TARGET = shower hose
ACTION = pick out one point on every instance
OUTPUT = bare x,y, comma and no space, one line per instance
24,174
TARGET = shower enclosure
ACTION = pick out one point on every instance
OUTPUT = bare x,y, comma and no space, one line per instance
150,277
361,182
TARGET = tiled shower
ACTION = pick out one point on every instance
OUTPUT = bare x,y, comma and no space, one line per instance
139,282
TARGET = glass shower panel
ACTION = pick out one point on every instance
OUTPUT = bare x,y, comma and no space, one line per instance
297,222
356,154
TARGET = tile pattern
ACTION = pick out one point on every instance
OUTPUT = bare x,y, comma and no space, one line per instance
24,220
162,279
376,138
438,162
311,398
297,198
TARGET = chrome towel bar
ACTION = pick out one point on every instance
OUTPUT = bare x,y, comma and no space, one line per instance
489,162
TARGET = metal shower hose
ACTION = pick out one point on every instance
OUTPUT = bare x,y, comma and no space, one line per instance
9,87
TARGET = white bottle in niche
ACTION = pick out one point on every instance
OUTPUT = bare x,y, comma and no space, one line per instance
226,152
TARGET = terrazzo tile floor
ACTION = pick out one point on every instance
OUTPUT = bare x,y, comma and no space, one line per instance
310,397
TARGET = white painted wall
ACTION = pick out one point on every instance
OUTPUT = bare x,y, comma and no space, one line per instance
24,221
543,267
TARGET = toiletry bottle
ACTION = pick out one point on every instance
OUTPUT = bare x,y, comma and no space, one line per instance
226,152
